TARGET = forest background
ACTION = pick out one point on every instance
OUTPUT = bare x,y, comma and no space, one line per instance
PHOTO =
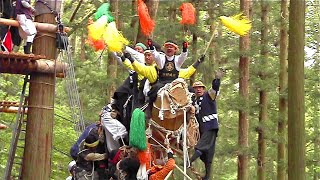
97,76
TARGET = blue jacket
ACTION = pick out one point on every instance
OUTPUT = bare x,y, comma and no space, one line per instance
75,148
206,113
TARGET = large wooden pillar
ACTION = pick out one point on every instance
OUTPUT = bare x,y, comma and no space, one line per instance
38,147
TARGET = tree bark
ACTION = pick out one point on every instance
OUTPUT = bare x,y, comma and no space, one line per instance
112,64
39,132
296,124
82,45
153,9
316,106
283,85
263,94
243,173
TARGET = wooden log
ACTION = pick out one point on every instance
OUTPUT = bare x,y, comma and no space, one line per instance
11,109
18,66
48,66
43,27
39,134
9,103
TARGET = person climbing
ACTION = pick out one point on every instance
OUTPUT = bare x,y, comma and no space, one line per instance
77,146
27,29
207,116
88,161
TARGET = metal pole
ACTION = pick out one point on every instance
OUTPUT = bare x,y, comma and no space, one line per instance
185,142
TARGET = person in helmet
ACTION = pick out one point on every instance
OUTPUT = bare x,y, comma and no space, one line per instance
72,170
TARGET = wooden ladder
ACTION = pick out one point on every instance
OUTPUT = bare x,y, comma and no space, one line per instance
15,157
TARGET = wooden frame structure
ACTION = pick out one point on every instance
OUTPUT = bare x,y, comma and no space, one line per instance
42,68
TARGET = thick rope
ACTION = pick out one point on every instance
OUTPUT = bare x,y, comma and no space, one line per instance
193,133
185,175
175,133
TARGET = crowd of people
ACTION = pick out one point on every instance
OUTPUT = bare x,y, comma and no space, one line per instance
103,150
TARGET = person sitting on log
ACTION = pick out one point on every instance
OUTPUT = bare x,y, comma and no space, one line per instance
151,73
27,29
207,116
168,64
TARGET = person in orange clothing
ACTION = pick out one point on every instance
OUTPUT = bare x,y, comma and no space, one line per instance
158,172
128,168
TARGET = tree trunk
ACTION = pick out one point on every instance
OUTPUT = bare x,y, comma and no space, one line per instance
263,94
296,124
316,122
194,44
134,20
153,9
82,49
243,173
112,64
211,53
39,132
283,85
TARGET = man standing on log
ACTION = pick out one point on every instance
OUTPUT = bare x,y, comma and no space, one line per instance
207,116
27,29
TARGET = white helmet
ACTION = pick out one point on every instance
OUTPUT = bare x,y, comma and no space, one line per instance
71,164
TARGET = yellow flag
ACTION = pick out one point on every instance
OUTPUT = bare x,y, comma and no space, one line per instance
238,24
114,39
96,30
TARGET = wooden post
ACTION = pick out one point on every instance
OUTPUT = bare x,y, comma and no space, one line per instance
38,145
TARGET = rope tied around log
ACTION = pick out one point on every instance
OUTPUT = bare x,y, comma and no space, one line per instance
193,134
166,91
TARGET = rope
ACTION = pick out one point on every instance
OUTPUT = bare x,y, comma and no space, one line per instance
165,90
185,174
193,134
175,133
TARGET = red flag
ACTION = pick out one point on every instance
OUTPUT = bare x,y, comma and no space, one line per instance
146,23
7,43
188,13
